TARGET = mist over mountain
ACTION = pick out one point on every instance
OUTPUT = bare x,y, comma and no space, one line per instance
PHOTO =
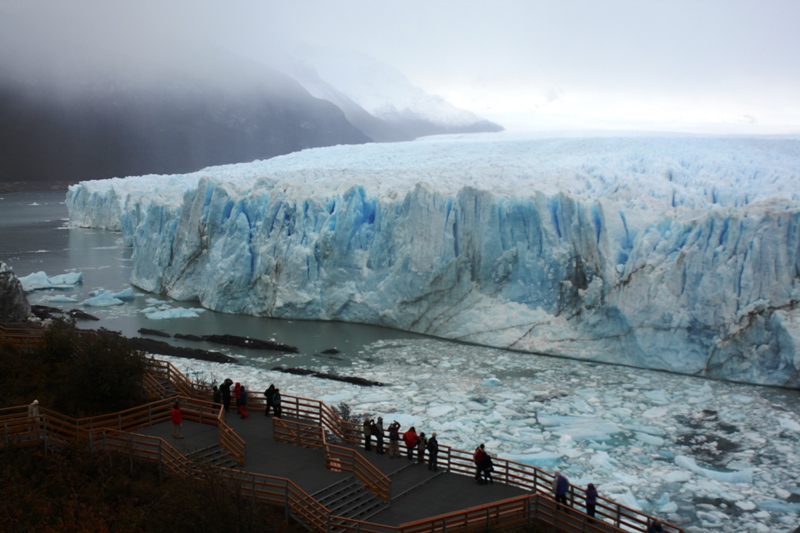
173,116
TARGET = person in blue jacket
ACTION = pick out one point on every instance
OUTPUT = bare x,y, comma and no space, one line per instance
560,487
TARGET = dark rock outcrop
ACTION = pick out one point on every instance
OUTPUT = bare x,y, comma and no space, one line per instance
162,348
323,375
13,302
247,342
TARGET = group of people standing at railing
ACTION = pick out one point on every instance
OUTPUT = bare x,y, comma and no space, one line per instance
413,442
223,393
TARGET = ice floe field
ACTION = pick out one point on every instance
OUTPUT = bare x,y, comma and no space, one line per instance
711,455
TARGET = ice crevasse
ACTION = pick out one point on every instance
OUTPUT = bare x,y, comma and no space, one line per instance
680,254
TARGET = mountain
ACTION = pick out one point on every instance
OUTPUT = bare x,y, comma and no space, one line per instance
174,116
118,127
376,97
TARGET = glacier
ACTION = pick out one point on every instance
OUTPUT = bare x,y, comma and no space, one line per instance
668,253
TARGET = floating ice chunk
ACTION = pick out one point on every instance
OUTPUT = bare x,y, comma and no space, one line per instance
650,439
337,398
742,398
125,294
655,412
745,505
102,298
677,476
657,396
491,382
153,301
70,278
62,300
34,281
438,411
779,507
741,476
175,313
535,459
791,425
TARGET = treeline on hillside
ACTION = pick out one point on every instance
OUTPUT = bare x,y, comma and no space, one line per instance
75,373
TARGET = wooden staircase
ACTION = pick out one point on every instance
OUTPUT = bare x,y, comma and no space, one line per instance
349,498
213,456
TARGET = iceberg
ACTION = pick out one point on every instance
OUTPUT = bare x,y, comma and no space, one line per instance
40,281
676,254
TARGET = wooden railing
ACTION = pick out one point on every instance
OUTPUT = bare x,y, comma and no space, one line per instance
21,338
195,402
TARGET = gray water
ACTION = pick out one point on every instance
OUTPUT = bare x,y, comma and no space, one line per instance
36,237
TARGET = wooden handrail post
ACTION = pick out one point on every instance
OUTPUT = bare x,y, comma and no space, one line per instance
150,415
286,500
448,458
618,515
160,459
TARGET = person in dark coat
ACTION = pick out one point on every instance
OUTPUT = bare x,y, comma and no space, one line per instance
225,389
433,452
367,434
217,395
422,442
591,499
379,435
486,468
655,527
560,487
276,402
269,394
394,439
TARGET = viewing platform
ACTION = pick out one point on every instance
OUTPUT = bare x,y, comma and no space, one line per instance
312,463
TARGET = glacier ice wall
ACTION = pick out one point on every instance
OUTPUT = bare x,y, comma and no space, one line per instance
680,254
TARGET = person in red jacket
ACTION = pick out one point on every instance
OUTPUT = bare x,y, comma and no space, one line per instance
410,438
177,421
477,458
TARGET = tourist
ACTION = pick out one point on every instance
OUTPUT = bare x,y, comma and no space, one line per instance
237,394
433,452
367,434
410,438
591,499
487,466
560,487
269,394
177,421
276,402
394,439
655,527
33,417
379,435
225,389
477,458
243,401
421,443
217,396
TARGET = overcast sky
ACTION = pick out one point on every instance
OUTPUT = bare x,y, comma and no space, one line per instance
693,65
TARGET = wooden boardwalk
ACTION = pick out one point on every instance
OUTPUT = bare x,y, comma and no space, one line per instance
417,492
